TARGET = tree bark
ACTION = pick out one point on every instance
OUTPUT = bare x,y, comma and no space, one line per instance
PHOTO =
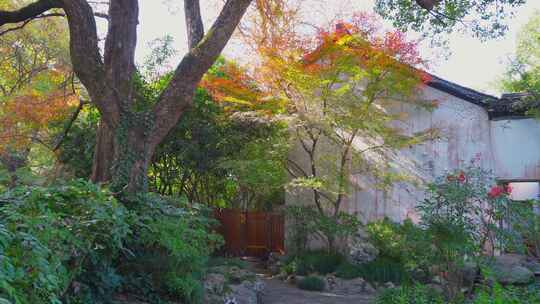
103,154
127,138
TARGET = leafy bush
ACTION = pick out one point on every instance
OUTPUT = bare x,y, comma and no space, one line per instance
381,270
405,243
308,222
417,294
224,261
320,262
312,283
173,245
508,295
526,223
463,212
53,239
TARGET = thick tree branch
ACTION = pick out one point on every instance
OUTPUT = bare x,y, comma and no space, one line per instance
120,47
28,12
86,59
24,23
427,4
178,95
194,24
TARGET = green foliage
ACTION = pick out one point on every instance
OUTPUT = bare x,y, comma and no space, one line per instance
321,262
339,95
77,149
312,283
225,261
507,295
172,248
306,222
483,18
417,294
525,224
53,236
381,270
404,242
221,158
523,72
465,210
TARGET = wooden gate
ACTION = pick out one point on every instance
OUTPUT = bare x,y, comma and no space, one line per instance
251,233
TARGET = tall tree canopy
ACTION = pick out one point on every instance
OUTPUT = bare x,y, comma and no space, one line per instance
484,18
523,72
127,134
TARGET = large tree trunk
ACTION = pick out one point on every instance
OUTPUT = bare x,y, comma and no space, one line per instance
132,155
103,154
127,139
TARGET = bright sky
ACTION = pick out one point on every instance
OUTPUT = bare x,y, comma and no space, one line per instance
472,63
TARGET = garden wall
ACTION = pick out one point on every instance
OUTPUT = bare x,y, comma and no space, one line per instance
464,132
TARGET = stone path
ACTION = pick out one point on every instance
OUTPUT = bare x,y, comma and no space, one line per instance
278,292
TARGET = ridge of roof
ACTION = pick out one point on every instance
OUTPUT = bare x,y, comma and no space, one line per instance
460,91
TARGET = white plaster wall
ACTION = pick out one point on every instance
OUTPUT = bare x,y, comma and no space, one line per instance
516,148
509,147
464,130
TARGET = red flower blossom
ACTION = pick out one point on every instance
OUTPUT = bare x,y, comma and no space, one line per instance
496,191
508,189
461,177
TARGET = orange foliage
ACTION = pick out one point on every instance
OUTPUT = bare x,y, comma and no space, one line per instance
357,43
22,118
238,91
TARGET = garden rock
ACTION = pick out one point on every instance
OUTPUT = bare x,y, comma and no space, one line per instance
470,272
361,251
348,287
232,285
214,283
275,262
534,266
238,275
248,292
509,269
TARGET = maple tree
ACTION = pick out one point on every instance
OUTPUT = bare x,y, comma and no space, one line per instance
128,136
342,92
37,89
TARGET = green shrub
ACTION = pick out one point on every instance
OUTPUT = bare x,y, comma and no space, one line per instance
312,283
508,295
53,236
405,243
320,262
417,294
307,222
380,270
224,261
173,246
